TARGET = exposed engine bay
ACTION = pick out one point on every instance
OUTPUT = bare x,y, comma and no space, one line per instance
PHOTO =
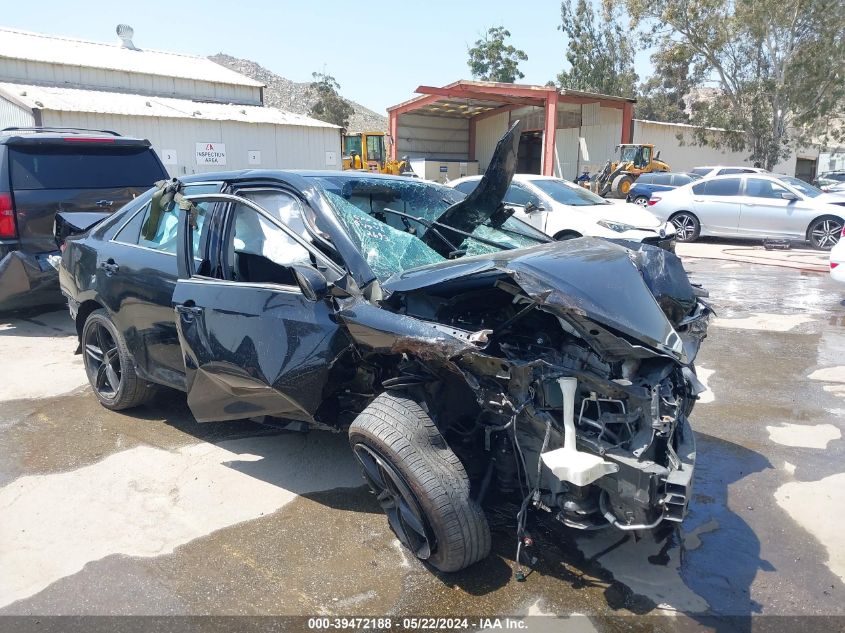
543,398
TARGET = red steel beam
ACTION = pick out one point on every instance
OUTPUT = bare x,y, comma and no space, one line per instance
549,133
393,127
628,122
458,92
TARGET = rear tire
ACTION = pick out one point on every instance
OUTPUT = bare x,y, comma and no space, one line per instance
641,201
567,235
687,226
824,232
420,483
110,367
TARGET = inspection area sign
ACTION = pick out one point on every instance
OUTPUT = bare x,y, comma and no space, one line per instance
211,153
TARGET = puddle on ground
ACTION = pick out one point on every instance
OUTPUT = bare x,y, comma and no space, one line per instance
147,501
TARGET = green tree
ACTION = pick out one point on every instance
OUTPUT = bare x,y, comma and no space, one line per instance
492,60
599,50
664,95
329,106
777,67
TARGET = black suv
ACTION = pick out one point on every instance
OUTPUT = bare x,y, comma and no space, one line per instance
47,170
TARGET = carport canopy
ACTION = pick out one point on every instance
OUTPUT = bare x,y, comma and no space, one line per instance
478,100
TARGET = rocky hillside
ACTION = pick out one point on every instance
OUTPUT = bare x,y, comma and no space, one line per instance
289,95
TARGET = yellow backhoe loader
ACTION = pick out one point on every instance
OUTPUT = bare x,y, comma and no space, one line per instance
367,152
616,178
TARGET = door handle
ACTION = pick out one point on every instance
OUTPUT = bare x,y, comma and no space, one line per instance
109,267
188,308
697,200
104,203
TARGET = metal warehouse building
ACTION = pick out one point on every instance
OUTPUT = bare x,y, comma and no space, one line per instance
452,131
198,115
563,131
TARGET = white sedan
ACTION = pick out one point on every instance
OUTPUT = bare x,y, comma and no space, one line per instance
564,210
752,206
837,262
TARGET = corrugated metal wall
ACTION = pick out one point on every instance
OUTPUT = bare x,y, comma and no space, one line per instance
566,153
281,147
12,115
682,155
101,79
422,136
487,134
601,129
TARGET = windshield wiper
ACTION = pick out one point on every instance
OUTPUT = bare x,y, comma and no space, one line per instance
431,224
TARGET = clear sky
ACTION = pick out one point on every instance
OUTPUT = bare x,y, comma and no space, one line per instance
378,51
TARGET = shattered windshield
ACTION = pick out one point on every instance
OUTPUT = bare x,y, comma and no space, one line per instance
373,210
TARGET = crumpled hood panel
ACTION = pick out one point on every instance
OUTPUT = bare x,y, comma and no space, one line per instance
587,277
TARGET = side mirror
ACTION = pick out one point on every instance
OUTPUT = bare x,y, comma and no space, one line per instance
788,195
531,207
311,281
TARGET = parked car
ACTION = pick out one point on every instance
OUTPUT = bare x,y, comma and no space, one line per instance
752,206
453,342
43,170
724,170
837,261
647,184
564,210
828,180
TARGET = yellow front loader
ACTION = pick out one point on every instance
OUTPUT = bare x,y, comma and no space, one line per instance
617,177
367,152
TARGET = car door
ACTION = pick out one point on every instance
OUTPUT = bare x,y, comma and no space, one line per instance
519,196
253,342
140,270
718,204
765,212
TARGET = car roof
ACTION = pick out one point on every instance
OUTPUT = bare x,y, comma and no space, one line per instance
32,135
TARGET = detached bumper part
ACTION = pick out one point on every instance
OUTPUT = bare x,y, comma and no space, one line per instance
568,463
23,279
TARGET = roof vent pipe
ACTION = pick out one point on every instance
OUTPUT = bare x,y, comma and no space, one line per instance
125,33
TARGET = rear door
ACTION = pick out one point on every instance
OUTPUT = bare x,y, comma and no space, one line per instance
140,269
718,204
253,343
75,174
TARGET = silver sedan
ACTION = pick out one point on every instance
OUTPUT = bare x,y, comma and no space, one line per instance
753,206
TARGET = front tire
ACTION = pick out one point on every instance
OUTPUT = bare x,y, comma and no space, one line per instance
622,185
824,232
420,483
687,226
109,366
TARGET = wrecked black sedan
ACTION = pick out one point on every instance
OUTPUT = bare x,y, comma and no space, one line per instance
469,357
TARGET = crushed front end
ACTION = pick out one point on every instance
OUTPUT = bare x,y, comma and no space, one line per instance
564,375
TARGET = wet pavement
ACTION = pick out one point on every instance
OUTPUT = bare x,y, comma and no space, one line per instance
148,512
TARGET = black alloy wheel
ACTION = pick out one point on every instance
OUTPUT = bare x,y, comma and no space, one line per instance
404,514
102,361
